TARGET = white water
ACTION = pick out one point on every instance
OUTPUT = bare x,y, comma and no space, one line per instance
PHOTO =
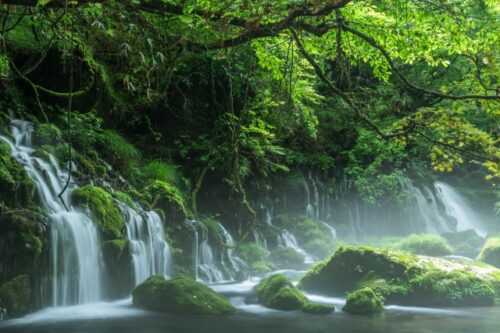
214,264
75,257
458,209
151,254
287,239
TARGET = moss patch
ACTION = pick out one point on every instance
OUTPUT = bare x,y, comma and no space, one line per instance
166,197
103,208
429,245
278,292
180,295
490,252
287,256
15,296
363,301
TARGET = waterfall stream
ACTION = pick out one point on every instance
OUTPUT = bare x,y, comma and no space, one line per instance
75,248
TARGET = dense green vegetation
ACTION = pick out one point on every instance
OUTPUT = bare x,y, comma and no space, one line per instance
220,115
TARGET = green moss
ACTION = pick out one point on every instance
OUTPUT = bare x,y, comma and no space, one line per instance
33,242
103,208
403,278
16,187
286,257
363,301
124,197
490,252
318,308
161,170
262,267
458,287
278,292
430,245
47,134
465,242
15,295
166,197
252,253
180,295
122,155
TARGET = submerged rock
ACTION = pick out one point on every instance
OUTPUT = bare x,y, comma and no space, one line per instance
490,252
278,292
363,301
404,278
181,295
318,308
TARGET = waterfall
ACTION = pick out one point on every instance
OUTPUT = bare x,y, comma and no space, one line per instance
287,239
75,248
458,209
150,252
331,229
218,263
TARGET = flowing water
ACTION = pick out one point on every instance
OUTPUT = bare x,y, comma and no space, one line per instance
75,256
150,252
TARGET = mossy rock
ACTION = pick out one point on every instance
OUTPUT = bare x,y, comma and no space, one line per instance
490,252
16,187
404,278
168,198
181,295
287,256
252,253
425,244
318,308
15,296
262,267
278,292
47,134
464,242
103,208
363,301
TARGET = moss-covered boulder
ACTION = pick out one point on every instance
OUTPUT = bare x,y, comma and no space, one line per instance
426,244
287,256
16,187
15,296
404,278
363,301
167,197
318,308
47,134
465,242
278,292
490,253
103,208
181,295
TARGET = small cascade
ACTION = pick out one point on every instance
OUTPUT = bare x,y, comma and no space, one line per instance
75,248
214,264
287,239
331,229
458,209
151,254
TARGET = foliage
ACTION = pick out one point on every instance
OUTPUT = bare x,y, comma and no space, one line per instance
15,295
425,244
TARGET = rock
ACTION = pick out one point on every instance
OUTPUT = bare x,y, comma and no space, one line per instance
119,276
363,301
426,244
285,257
103,208
318,308
404,278
15,296
490,252
278,292
464,242
181,295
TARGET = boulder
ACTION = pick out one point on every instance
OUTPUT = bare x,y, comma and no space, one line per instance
363,301
180,295
278,292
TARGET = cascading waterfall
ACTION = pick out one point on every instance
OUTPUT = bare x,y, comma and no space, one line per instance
287,239
75,256
458,209
151,254
214,265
